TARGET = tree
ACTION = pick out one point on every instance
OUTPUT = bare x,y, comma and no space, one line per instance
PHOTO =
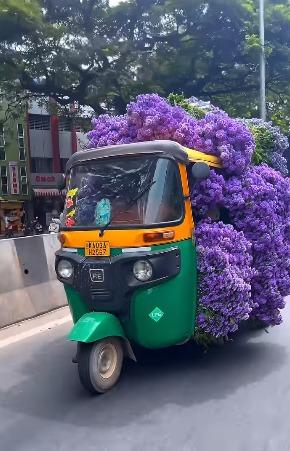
87,52
18,18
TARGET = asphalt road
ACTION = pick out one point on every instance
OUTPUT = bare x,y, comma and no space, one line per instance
237,397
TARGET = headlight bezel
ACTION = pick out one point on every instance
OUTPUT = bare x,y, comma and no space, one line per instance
144,274
62,275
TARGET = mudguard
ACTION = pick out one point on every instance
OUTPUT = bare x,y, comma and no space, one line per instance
96,326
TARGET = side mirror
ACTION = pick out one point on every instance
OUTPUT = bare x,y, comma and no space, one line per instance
200,171
61,182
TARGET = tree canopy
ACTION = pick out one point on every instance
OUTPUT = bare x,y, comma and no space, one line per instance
88,52
18,18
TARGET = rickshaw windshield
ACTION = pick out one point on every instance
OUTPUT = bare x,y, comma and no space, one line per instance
121,192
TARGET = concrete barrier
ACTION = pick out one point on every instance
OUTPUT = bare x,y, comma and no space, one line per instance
28,284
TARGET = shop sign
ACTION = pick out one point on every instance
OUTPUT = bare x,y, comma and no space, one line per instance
14,177
49,180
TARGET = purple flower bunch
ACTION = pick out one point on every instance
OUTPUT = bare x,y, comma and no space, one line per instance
259,205
227,138
278,162
225,274
110,130
256,203
151,117
207,195
280,141
244,261
154,118
270,143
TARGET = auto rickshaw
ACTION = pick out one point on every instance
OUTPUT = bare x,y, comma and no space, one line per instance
128,256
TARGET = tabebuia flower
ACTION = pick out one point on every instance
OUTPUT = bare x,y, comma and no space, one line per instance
244,261
227,138
111,130
207,195
151,117
270,144
259,205
225,276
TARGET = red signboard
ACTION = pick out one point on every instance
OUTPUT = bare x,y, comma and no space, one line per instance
45,180
14,177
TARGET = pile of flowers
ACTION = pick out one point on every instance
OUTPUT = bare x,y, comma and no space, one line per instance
270,144
242,213
225,274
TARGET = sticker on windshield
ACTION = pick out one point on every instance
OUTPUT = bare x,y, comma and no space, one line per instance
72,192
103,212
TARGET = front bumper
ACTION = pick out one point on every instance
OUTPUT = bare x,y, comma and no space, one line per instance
107,284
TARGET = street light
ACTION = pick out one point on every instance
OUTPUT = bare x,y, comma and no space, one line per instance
263,111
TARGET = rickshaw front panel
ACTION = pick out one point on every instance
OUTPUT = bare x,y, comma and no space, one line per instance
156,314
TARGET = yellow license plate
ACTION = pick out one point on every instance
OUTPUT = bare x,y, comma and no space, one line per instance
97,249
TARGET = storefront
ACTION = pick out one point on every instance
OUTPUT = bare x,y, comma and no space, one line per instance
14,213
48,200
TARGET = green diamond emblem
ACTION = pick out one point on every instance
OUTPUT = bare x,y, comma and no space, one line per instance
156,314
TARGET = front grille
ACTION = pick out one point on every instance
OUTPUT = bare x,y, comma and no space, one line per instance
100,294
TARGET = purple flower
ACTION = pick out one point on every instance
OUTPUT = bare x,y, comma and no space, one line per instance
151,117
225,274
271,144
244,266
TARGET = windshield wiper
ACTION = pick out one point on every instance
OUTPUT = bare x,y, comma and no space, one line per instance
130,204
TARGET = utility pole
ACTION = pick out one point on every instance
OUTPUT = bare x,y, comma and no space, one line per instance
263,110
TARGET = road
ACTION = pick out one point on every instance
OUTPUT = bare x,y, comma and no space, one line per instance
234,398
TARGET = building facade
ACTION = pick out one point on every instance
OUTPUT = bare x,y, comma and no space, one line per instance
15,193
51,141
34,150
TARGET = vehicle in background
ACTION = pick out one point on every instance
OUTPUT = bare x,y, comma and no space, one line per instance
54,226
37,227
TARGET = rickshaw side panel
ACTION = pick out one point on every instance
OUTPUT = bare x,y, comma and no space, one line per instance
165,315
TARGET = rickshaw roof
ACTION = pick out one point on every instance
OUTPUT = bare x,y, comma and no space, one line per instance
161,148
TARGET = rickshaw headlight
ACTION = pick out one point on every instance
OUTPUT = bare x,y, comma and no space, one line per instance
142,270
65,269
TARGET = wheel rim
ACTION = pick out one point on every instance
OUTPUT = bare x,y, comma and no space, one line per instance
107,361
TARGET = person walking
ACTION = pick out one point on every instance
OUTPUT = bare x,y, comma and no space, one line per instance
8,228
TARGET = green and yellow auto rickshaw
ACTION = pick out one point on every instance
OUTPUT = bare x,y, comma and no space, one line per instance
128,257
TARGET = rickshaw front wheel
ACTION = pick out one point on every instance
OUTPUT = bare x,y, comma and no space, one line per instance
100,364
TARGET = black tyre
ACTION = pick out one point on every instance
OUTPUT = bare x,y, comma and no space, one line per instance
100,364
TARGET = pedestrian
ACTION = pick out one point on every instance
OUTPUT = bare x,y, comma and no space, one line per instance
23,221
8,227
37,226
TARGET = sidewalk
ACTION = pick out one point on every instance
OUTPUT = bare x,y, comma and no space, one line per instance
33,326
21,235
15,235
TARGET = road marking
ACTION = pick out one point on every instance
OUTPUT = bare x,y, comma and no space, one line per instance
36,330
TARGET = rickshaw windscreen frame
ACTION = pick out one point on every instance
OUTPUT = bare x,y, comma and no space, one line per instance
158,155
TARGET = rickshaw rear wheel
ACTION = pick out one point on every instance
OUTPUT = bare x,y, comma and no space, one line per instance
100,364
